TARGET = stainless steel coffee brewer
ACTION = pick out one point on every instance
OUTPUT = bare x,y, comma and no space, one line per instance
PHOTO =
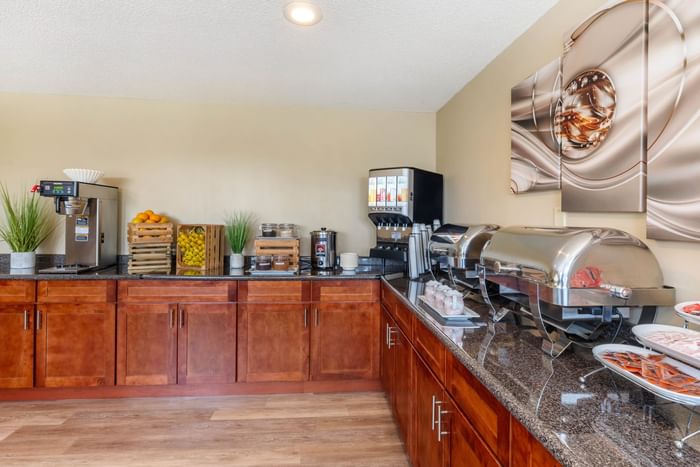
90,212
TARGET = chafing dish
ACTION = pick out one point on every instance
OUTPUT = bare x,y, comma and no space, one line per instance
459,246
573,281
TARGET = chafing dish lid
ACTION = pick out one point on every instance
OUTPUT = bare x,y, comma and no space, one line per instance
571,257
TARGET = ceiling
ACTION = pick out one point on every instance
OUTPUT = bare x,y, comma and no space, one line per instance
407,55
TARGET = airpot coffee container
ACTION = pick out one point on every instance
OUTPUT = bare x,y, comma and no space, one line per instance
323,249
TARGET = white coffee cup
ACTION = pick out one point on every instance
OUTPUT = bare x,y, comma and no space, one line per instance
349,261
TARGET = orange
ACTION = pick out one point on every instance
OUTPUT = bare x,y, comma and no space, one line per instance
163,220
154,217
148,211
149,221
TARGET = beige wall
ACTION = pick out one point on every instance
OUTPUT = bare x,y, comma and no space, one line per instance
473,149
197,161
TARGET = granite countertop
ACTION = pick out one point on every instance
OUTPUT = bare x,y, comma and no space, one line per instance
605,422
120,273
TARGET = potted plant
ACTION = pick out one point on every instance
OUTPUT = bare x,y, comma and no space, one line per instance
238,228
28,222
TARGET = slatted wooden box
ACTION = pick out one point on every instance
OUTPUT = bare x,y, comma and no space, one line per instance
208,254
278,246
147,258
150,233
150,248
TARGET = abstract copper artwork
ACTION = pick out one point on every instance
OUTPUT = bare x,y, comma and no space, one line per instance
534,155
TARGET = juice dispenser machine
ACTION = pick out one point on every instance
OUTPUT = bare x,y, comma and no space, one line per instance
398,198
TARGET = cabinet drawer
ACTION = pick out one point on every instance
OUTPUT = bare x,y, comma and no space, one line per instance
172,291
389,299
255,291
431,349
526,451
404,318
345,291
14,291
488,417
76,291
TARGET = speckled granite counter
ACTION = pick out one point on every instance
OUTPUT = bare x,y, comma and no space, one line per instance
368,268
606,422
121,274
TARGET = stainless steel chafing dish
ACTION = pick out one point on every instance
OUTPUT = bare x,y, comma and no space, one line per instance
573,281
459,246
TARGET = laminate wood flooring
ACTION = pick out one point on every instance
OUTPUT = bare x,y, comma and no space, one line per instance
353,429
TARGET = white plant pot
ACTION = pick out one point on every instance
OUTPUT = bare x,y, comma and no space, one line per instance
25,260
237,261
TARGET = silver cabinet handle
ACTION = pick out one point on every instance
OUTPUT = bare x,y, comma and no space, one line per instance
390,332
386,336
440,413
172,318
38,320
182,318
432,414
25,323
317,317
306,318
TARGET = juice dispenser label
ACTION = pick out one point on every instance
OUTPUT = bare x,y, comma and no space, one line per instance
381,191
372,193
402,190
391,191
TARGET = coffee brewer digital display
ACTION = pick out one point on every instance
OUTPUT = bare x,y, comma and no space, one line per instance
398,197
90,212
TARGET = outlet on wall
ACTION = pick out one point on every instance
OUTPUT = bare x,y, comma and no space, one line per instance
559,218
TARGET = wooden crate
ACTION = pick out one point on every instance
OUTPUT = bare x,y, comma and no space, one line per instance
278,246
147,258
150,233
213,248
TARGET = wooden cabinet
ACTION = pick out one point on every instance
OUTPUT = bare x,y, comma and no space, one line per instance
344,341
17,291
206,343
147,344
490,419
465,448
76,291
386,357
526,451
161,343
75,344
273,342
429,400
274,291
177,291
16,346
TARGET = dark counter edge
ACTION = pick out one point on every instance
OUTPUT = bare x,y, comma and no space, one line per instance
540,432
113,274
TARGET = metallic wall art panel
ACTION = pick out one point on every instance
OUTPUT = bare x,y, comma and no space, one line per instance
601,122
673,206
534,152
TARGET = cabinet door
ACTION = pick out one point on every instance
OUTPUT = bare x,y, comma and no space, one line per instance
403,385
147,342
428,449
273,342
17,353
344,341
75,345
206,343
386,356
465,448
526,451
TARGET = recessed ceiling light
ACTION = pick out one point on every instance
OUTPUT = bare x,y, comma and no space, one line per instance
303,13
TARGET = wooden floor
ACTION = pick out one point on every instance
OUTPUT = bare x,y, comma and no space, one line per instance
352,429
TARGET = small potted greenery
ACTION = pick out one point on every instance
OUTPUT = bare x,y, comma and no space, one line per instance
28,222
238,229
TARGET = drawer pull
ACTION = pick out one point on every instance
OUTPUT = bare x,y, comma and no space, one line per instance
306,318
38,320
25,323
